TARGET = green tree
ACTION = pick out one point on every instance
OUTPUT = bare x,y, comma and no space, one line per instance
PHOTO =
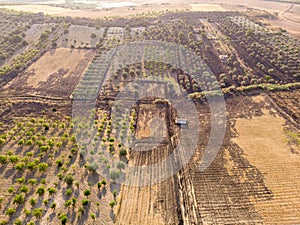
63,219
86,192
112,204
32,181
20,180
18,199
10,211
53,205
3,159
24,189
85,202
51,191
20,166
43,167
14,159
32,201
40,190
18,222
38,212
69,179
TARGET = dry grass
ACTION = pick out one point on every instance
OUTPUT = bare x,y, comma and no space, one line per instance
265,146
52,61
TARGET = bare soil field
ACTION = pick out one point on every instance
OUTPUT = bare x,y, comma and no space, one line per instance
266,147
244,183
57,71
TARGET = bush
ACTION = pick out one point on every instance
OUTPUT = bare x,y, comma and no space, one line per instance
74,200
32,201
68,203
86,192
43,167
59,162
120,165
53,205
18,222
24,189
123,152
20,180
92,167
63,219
11,189
112,204
19,199
40,191
69,179
51,191
38,212
32,181
69,192
20,166
31,165
85,202
10,211
14,159
3,159
114,174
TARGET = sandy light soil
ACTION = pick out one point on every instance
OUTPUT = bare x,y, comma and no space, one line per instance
61,58
264,142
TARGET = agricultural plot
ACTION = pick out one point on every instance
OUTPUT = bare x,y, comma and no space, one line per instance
52,73
47,177
254,135
34,32
248,24
81,36
86,133
276,67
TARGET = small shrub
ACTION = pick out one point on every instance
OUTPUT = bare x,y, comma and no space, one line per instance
18,199
85,202
86,192
69,179
10,211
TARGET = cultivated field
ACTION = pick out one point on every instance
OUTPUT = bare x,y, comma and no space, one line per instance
271,150
96,123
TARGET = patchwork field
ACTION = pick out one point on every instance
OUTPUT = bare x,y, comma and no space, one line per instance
108,121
